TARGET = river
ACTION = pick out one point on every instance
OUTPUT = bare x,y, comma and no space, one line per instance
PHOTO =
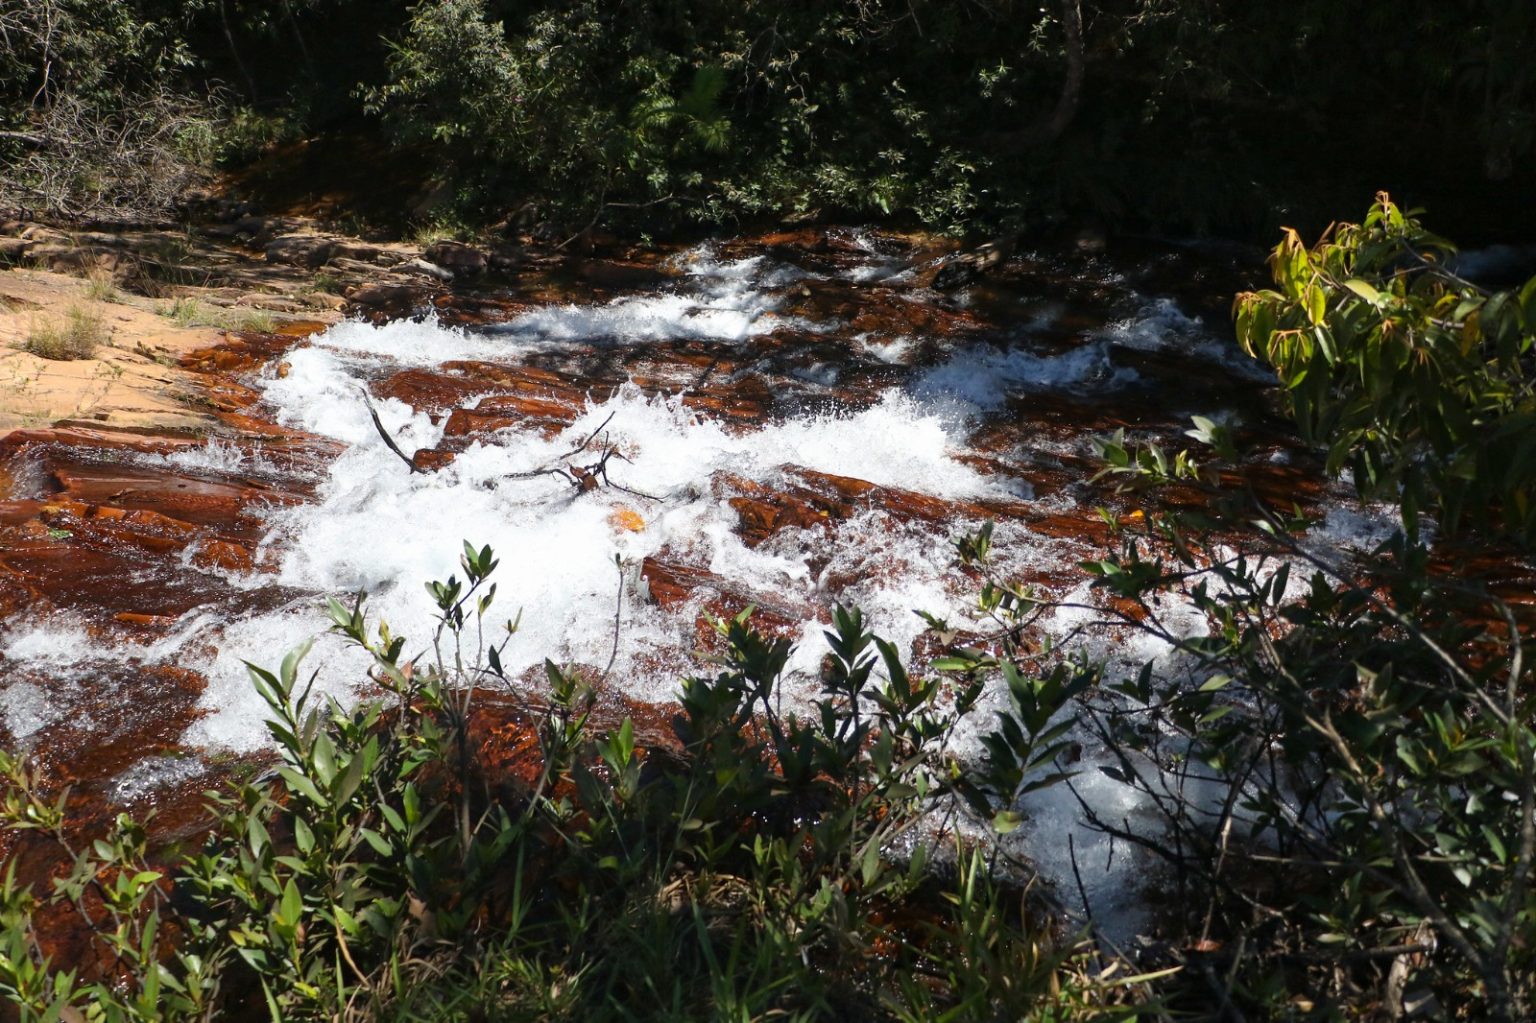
793,421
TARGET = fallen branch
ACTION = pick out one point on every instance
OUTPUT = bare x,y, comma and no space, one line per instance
590,476
583,477
578,449
388,440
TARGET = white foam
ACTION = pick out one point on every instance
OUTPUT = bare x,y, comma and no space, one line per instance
881,269
1114,874
27,708
1349,526
894,351
979,378
756,271
723,301
217,456
62,649
1160,325
729,301
816,373
419,343
379,528
1157,325
982,377
58,641
143,779
234,715
732,314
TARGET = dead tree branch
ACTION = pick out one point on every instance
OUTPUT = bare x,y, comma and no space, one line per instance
389,440
583,477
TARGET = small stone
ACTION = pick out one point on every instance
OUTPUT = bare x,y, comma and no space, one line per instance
271,303
431,459
359,251
426,267
231,557
378,294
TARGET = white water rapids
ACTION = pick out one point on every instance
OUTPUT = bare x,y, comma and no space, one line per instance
377,528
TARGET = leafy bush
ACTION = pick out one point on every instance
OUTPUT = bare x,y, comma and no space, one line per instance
102,126
583,108
1188,114
958,115
380,869
1417,380
1339,772
1342,762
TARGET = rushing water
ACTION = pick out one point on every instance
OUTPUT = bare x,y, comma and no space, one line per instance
986,401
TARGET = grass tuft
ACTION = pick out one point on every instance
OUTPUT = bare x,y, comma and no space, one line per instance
190,312
100,286
186,312
78,337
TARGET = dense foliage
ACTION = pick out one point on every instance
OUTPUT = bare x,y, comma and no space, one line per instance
1417,380
93,117
1191,115
1338,774
1342,768
1341,761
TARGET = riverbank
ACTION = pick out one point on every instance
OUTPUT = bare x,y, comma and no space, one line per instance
132,380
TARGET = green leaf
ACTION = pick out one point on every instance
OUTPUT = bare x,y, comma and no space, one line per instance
298,783
290,668
1364,289
1006,821
291,907
1215,682
869,865
303,836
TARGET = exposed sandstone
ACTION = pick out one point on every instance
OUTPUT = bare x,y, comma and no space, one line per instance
457,258
304,250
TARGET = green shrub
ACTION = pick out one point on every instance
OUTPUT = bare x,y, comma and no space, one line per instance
101,287
191,312
245,134
1343,772
382,872
1416,380
186,312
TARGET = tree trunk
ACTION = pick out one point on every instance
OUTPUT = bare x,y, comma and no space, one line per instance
234,51
1048,130
1072,88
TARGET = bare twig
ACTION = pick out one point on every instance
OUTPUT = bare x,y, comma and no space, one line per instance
618,611
578,449
1082,889
388,440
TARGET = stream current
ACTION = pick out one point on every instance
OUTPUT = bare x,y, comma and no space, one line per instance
797,421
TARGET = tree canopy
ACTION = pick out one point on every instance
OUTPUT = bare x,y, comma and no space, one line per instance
1210,115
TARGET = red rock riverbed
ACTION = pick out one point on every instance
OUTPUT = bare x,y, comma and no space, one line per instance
794,420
